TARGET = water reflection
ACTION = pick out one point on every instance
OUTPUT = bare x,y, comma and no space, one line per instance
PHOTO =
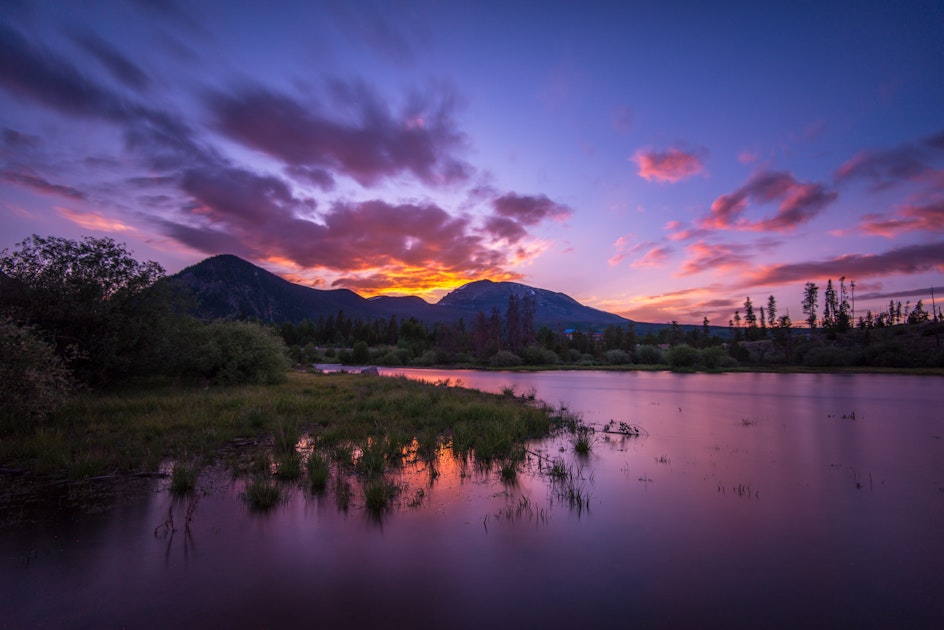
747,499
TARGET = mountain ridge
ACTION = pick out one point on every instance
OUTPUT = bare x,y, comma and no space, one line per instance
227,286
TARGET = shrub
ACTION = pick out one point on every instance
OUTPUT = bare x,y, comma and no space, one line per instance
233,353
617,357
683,356
539,355
504,358
34,381
714,357
649,355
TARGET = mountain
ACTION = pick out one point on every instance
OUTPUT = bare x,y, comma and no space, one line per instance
228,286
551,308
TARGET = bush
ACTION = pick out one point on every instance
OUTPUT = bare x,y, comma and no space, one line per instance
234,353
715,357
504,358
539,355
683,356
34,381
617,357
649,355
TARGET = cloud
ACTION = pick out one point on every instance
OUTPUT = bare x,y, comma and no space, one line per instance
800,202
889,167
927,217
672,165
714,257
41,185
117,64
514,213
34,72
654,257
370,144
530,209
910,259
94,221
919,293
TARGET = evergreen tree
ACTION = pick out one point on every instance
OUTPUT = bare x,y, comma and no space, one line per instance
810,303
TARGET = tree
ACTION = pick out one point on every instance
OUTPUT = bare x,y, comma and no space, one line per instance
750,320
34,381
831,306
918,315
107,315
772,310
810,303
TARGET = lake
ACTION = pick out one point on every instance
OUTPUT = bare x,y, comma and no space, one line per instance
775,500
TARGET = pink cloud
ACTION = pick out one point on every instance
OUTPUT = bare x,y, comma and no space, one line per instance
910,259
888,167
713,257
671,166
799,201
652,258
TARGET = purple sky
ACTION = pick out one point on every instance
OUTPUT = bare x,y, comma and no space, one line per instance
660,163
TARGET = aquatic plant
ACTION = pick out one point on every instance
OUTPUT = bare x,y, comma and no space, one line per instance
583,439
318,472
288,466
183,478
378,493
262,493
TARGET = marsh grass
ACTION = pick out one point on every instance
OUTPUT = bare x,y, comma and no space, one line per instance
379,492
288,466
262,493
318,472
135,427
583,440
183,478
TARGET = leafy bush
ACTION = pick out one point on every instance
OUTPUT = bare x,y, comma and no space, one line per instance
683,356
715,357
539,355
233,353
649,355
34,381
617,357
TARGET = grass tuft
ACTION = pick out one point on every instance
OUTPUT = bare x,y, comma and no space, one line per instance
183,479
318,472
262,494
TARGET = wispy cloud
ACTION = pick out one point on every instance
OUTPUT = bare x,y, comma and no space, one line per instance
369,144
715,257
888,167
672,165
799,202
40,185
909,259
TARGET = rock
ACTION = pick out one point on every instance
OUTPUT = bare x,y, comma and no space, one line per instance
371,371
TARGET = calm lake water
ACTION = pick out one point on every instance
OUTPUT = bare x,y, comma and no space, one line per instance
750,500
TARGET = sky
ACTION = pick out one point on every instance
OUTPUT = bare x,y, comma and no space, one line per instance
662,161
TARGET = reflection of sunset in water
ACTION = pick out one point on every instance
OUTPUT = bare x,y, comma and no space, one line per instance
747,499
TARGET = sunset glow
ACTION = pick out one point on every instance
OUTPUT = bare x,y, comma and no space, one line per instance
662,164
